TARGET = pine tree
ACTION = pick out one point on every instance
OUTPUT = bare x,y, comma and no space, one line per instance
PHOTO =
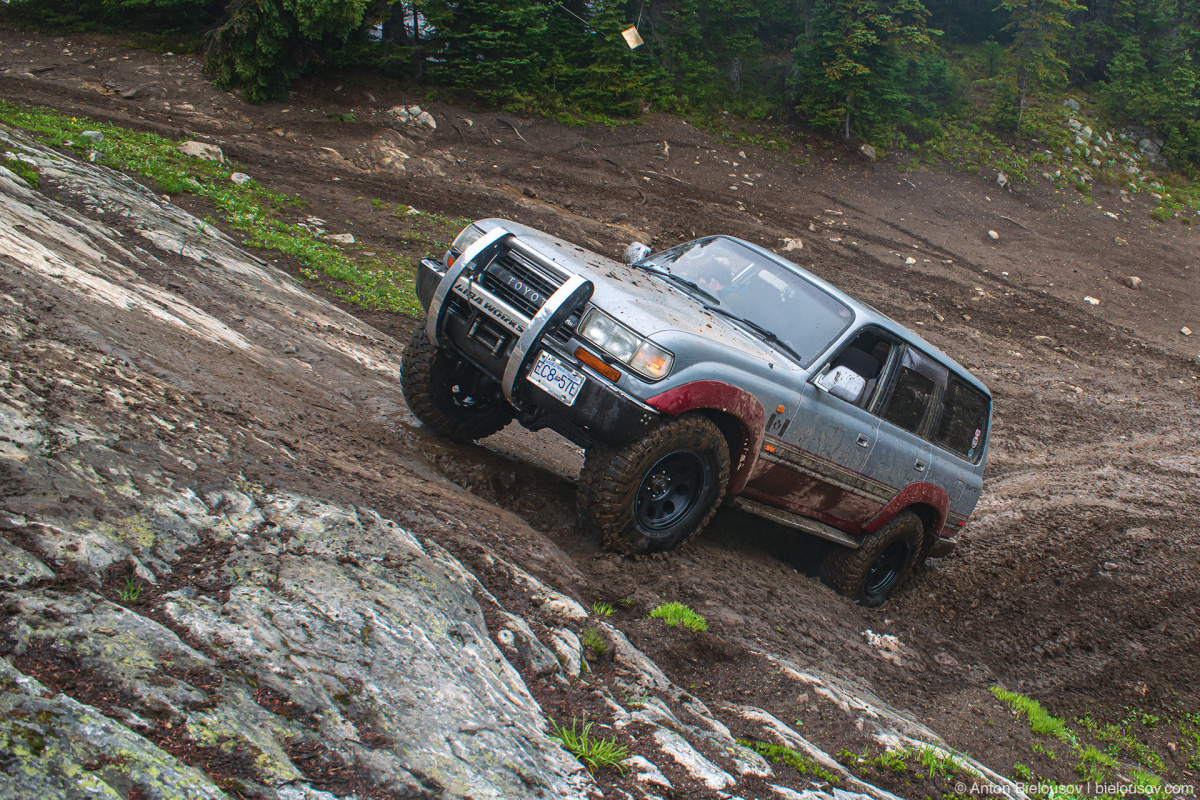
493,49
1039,29
851,65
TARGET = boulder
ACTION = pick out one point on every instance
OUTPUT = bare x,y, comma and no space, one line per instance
208,152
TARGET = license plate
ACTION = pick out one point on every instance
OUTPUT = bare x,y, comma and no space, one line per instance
559,380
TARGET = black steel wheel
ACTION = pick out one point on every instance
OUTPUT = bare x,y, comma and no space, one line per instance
450,395
870,574
658,492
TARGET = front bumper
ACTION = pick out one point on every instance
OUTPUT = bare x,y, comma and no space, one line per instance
496,337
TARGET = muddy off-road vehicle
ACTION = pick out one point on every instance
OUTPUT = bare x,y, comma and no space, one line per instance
712,371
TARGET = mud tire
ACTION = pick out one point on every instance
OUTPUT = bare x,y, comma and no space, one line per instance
450,395
870,574
655,494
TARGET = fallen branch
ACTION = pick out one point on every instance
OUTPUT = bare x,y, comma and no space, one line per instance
514,127
661,175
1014,222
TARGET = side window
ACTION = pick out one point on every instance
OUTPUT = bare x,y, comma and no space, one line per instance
855,372
909,401
962,427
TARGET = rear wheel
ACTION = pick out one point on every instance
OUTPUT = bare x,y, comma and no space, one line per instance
658,492
450,395
869,574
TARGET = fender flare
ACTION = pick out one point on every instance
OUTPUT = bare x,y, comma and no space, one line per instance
728,399
915,493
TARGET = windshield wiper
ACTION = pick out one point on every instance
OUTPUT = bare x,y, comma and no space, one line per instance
760,330
681,281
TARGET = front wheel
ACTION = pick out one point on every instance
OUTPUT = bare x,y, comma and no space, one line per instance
449,394
869,574
658,492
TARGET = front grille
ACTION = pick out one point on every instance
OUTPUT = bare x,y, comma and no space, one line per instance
519,282
563,333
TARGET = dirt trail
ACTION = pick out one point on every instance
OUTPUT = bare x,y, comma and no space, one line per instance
1078,580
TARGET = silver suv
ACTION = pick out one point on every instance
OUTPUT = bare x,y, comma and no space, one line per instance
713,371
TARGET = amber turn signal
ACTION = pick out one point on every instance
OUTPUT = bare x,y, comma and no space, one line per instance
595,363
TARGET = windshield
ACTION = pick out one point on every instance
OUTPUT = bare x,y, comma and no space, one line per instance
805,317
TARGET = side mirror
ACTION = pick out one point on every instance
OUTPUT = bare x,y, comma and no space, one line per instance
843,383
635,253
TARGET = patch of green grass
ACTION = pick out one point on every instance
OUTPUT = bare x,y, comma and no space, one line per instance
937,763
130,591
1041,749
778,754
1120,737
602,609
372,283
1162,214
1023,772
676,614
593,641
895,760
594,753
341,117
1040,720
1145,784
1094,765
25,171
626,603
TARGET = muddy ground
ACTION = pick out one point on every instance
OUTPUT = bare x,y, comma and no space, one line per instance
1076,581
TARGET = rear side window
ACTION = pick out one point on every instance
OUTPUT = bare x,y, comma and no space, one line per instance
962,427
910,400
917,379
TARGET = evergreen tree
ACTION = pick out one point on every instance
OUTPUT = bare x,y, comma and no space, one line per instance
493,49
852,65
264,45
1039,29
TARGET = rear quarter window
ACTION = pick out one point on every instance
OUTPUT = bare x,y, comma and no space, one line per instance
962,426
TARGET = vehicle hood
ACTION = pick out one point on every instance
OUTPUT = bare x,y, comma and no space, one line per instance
648,305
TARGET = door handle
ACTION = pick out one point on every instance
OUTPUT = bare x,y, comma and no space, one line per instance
920,465
863,440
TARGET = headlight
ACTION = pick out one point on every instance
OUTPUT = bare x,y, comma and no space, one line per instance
466,237
652,361
640,354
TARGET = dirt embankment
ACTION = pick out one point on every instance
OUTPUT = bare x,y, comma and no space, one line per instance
1077,581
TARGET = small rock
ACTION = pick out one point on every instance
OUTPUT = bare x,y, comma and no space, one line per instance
967,317
792,244
1186,331
1091,300
910,260
1111,214
412,212
1120,241
1111,565
239,178
208,152
812,228
1074,124
1132,281
1071,104
426,119
868,151
95,137
528,192
993,235
341,238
